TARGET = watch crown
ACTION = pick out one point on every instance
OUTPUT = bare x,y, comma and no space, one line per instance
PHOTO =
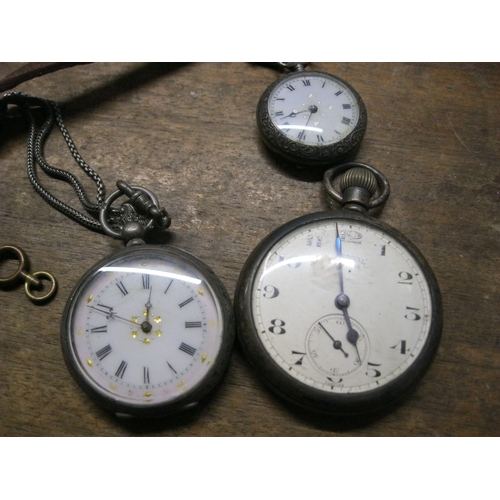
359,177
357,185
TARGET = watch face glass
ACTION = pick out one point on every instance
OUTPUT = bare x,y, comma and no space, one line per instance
314,109
340,305
144,328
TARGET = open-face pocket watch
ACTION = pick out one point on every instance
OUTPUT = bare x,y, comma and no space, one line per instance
311,118
148,330
338,312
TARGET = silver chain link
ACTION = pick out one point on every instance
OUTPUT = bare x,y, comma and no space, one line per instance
35,155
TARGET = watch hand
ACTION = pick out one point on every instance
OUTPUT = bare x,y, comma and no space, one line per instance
338,246
342,301
148,304
293,114
307,122
111,314
352,337
145,325
337,344
312,109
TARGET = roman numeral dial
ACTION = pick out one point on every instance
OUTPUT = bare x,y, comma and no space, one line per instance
145,330
311,117
316,110
148,331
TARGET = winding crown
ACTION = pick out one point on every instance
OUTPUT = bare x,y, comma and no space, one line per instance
360,178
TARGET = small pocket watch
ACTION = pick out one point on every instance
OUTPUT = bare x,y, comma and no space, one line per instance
338,312
148,330
312,118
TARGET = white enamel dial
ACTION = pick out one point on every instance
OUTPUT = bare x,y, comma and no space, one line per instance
144,328
314,109
338,305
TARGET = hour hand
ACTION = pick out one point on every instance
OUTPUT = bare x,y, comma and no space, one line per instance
342,303
148,304
352,338
293,114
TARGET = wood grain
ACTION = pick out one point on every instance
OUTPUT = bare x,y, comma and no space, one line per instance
187,131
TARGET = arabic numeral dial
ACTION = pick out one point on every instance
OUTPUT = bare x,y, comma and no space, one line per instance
339,311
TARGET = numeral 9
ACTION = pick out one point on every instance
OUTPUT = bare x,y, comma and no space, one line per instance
270,292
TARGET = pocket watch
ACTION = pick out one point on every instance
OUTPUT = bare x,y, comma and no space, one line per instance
148,330
338,312
311,118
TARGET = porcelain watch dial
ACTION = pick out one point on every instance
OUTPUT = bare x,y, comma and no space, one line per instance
313,109
148,331
312,118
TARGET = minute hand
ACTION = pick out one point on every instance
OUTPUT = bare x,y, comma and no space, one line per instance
338,247
111,314
342,301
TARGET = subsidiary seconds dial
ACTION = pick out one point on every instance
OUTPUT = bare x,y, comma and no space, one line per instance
329,350
312,118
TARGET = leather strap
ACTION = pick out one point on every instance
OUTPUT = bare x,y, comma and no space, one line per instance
32,70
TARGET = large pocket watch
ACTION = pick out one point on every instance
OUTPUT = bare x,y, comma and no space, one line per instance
311,118
147,331
338,312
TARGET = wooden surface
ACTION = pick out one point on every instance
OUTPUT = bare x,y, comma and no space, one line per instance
188,133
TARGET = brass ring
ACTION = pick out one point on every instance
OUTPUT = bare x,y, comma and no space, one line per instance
49,294
20,255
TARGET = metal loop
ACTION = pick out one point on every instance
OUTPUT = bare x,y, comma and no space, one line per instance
43,275
293,66
333,173
103,214
23,266
32,281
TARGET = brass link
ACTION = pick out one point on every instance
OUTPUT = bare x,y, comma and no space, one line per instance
32,281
